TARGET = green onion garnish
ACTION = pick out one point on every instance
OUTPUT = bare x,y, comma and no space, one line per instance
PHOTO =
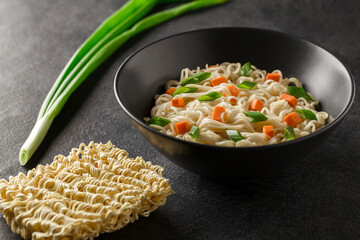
234,135
306,114
247,85
289,133
158,121
194,132
256,116
184,90
299,92
197,78
246,69
210,96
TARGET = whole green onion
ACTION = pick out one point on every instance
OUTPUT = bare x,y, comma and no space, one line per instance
196,78
194,132
299,92
306,114
247,85
289,133
62,88
234,135
158,121
256,116
184,90
211,96
246,69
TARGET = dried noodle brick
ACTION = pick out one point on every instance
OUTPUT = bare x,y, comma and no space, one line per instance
96,189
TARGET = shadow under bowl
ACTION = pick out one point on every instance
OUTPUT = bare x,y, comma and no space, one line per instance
144,74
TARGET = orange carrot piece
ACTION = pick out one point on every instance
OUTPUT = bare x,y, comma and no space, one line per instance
256,105
268,130
212,66
217,113
273,76
218,81
178,102
292,119
182,127
233,101
170,91
290,99
233,90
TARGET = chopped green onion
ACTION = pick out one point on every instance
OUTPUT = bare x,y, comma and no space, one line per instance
195,79
246,69
210,96
194,132
289,133
256,116
158,121
234,135
306,114
299,92
247,85
184,90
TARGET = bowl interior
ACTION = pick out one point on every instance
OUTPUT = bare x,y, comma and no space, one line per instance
145,73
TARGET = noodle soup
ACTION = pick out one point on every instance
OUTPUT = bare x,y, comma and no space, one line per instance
235,105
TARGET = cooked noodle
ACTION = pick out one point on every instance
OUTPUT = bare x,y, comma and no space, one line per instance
212,132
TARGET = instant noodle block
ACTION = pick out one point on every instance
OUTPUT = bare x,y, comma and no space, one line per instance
96,189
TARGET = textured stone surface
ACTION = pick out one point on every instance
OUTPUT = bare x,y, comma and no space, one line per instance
319,198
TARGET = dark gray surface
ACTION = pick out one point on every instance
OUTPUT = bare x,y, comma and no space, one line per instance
319,198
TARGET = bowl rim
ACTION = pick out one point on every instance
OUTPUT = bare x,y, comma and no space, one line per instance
281,144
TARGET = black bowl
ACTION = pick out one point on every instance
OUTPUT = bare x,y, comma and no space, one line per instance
145,73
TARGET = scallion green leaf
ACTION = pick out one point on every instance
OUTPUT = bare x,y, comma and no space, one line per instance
289,133
210,96
234,135
158,121
306,114
256,116
184,90
117,23
197,78
247,85
194,132
246,69
299,92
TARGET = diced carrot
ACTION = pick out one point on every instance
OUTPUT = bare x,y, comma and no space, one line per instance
178,102
233,101
290,99
292,119
217,113
170,91
212,66
233,90
182,127
273,76
218,81
268,130
256,105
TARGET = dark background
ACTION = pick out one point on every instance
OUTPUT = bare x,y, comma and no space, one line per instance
319,198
